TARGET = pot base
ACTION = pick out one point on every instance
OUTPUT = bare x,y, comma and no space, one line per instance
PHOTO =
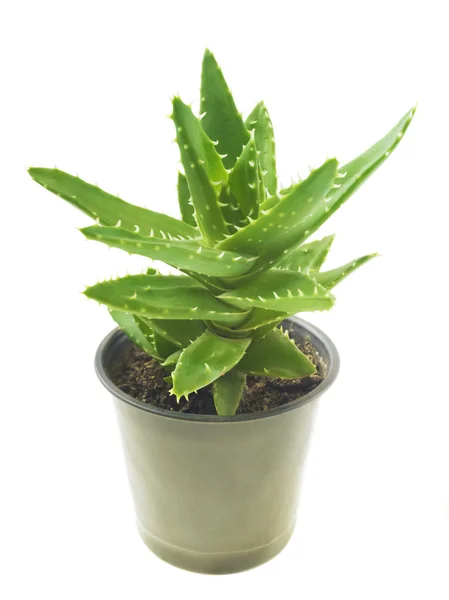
214,563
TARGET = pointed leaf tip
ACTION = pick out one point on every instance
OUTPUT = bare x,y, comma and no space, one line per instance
330,279
107,208
208,54
222,121
259,121
307,257
227,391
202,166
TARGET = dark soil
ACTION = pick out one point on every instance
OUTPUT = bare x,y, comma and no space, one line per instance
142,377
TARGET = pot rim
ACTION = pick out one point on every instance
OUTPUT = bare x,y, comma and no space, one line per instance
332,372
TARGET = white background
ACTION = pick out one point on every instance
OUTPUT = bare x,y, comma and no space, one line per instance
85,86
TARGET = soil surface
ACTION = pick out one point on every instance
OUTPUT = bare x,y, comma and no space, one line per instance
143,378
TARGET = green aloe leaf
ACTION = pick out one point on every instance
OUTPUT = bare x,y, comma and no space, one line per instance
271,201
232,211
260,316
244,181
172,360
204,171
329,279
209,357
259,121
213,284
227,391
276,355
282,227
108,209
164,297
354,173
281,290
349,178
164,347
180,333
258,324
225,331
307,257
184,201
261,321
191,255
138,331
261,332
190,131
221,121
310,211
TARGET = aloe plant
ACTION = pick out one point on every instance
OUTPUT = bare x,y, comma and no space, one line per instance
241,249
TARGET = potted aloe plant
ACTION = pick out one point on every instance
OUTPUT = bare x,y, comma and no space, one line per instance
214,379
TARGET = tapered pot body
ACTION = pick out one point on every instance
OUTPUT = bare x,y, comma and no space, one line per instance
215,494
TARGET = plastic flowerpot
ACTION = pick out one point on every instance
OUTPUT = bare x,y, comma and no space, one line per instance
215,494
